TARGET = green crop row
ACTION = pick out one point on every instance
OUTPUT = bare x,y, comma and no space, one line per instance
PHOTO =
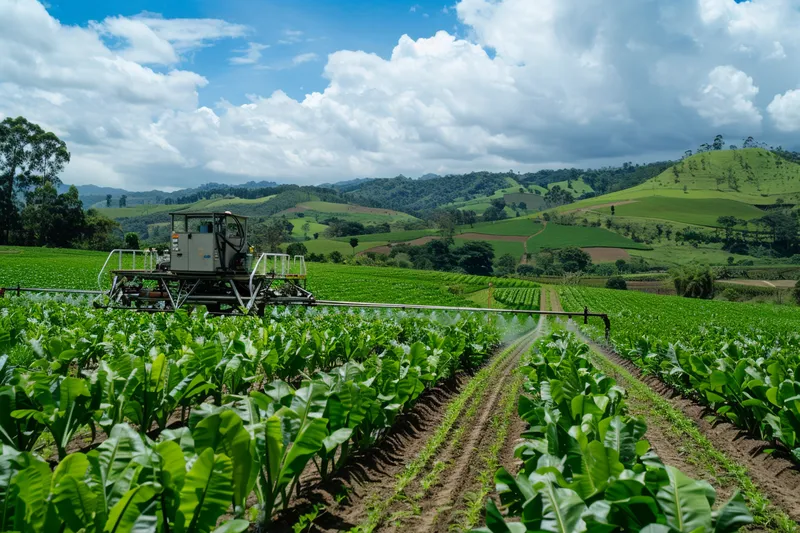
741,360
527,298
202,415
586,464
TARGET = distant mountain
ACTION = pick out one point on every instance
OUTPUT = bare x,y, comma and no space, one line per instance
429,176
347,185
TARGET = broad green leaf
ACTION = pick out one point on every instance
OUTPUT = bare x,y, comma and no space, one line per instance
135,512
733,515
683,502
207,493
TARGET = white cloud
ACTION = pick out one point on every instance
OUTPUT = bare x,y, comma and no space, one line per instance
155,40
727,98
785,110
304,58
536,84
291,37
249,55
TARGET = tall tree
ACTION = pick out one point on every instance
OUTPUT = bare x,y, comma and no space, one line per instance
108,200
29,156
123,200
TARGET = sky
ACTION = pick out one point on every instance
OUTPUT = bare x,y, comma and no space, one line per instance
174,94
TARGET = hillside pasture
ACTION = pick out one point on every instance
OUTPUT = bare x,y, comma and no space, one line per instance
532,202
698,211
557,236
515,226
576,187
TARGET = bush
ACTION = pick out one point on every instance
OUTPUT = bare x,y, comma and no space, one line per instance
796,292
693,281
335,256
296,248
616,282
529,270
132,241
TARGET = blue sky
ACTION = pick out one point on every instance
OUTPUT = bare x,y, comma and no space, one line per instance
138,89
289,28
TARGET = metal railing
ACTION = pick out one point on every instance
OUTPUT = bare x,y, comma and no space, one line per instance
148,258
279,266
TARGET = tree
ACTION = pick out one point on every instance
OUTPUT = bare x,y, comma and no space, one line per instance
528,270
52,219
335,256
749,143
796,292
499,203
132,241
523,206
719,143
272,233
446,224
469,217
353,244
108,200
306,228
28,156
296,248
728,223
617,282
505,265
316,236
573,259
613,211
492,213
475,257
784,227
123,200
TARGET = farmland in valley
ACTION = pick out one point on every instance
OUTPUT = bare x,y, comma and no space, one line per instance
234,400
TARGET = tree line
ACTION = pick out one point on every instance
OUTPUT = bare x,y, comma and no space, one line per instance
32,212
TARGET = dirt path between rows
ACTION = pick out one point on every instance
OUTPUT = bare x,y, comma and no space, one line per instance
441,508
347,499
555,301
775,475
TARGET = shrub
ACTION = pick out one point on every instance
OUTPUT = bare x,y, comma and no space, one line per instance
616,282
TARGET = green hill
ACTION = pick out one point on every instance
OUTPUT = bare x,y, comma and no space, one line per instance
752,176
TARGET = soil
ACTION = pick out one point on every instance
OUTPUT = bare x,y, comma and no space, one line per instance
440,507
775,474
774,284
605,255
372,476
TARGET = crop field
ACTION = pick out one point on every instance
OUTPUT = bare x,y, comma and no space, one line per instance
739,360
557,236
336,419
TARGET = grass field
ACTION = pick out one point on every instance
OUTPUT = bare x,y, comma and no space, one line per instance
699,211
760,176
314,227
675,254
578,188
557,236
395,236
516,226
500,247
